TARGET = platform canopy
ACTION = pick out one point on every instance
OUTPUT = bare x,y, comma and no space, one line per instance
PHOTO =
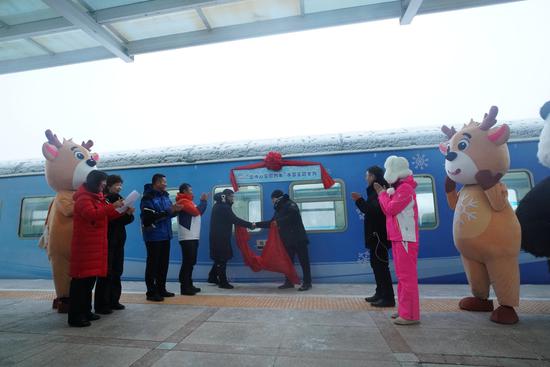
38,34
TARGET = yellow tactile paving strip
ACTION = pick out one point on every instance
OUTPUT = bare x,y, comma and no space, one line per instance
344,303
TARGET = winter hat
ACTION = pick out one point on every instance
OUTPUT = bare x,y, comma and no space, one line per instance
396,168
276,194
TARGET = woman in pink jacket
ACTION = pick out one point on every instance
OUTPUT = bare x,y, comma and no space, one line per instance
399,204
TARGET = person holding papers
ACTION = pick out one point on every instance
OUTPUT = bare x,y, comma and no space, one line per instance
109,288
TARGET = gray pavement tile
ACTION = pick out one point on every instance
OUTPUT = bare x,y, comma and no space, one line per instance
21,345
322,337
12,312
139,322
536,340
220,333
315,362
406,357
457,342
310,317
82,355
200,359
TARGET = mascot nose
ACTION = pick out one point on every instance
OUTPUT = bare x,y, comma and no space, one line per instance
91,162
451,156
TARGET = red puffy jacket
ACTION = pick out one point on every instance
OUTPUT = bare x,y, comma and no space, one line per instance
89,245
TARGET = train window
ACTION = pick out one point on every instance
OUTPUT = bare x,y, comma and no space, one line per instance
248,202
322,209
425,200
173,193
33,216
519,183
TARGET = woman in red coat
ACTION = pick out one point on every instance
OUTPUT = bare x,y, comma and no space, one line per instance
89,245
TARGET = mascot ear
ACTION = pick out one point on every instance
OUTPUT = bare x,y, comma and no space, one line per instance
49,151
499,135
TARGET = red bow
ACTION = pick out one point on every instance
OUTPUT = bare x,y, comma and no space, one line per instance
274,161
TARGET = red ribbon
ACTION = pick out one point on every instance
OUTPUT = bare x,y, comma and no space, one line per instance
274,161
273,258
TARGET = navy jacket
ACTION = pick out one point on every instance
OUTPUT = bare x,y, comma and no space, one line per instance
156,214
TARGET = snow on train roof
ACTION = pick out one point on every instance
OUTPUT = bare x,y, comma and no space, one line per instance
344,142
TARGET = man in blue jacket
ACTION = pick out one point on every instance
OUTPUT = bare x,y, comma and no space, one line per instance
156,213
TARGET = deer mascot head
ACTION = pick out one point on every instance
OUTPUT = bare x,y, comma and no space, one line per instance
477,152
486,231
67,165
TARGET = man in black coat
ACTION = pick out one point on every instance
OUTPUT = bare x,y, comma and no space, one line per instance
533,211
293,234
221,225
376,239
109,289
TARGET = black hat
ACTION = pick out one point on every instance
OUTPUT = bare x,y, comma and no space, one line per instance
276,194
227,192
545,110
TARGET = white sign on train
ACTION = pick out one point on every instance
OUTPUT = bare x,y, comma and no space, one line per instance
287,173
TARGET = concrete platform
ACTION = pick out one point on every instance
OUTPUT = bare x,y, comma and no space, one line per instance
316,328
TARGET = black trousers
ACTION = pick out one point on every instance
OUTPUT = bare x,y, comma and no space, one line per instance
189,250
218,271
303,258
108,289
81,298
379,263
156,268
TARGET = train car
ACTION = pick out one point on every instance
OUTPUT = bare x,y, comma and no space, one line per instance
334,225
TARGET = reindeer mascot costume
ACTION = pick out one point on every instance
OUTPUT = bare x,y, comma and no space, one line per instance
534,209
486,231
67,165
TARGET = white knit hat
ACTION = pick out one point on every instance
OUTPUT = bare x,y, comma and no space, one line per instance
396,168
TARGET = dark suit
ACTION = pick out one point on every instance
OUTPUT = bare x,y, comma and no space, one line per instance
292,232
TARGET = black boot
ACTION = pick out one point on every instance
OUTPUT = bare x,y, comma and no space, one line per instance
185,291
384,303
375,297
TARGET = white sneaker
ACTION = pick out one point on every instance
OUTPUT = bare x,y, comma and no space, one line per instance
394,315
402,321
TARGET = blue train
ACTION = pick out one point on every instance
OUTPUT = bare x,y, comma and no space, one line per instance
334,224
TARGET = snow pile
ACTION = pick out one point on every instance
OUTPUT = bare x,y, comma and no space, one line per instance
358,141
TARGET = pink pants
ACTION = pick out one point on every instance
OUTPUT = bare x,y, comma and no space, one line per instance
408,304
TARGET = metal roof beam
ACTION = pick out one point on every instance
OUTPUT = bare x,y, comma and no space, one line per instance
409,11
150,8
82,20
32,29
269,27
63,58
104,16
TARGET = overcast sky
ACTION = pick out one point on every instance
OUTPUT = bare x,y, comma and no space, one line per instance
443,68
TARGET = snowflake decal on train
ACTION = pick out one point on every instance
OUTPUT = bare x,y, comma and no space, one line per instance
466,212
360,214
363,258
420,161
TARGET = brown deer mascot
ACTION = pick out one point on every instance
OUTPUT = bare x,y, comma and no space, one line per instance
67,165
486,231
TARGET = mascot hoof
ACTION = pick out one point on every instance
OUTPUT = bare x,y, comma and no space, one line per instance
55,303
63,305
505,315
476,304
